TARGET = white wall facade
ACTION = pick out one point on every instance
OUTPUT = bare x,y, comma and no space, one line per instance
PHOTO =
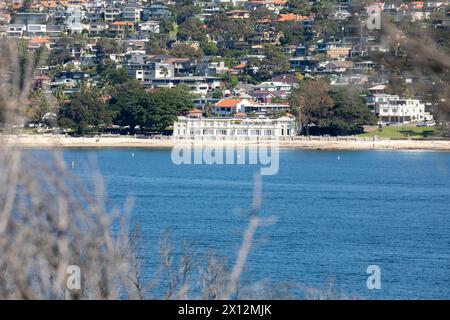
187,128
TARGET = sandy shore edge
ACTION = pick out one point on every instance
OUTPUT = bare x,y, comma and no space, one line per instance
33,141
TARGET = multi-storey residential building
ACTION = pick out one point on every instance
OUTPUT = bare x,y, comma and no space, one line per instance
211,68
393,109
110,14
141,68
149,27
197,85
98,28
119,29
132,13
155,12
16,30
229,106
36,30
54,31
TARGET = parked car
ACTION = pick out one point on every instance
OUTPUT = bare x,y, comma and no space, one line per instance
426,124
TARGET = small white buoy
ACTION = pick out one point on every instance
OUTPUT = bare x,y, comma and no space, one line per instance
132,154
339,157
73,164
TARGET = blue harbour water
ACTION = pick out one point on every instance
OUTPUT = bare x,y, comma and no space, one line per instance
337,212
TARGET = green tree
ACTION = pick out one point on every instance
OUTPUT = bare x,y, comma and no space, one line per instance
293,32
41,104
220,26
209,48
231,80
274,63
107,46
115,76
165,106
130,103
184,50
85,112
301,7
349,113
156,44
184,10
61,54
323,8
192,29
311,103
217,94
326,28
153,111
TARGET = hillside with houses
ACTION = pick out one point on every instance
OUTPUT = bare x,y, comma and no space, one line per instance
318,63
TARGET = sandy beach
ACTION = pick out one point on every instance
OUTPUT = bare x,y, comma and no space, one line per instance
351,143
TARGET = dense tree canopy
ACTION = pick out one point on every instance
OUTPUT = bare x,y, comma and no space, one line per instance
184,10
349,113
323,110
274,63
293,32
107,46
41,104
192,29
301,7
311,103
184,50
61,54
153,111
85,112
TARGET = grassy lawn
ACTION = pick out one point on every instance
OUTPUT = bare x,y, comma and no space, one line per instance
404,132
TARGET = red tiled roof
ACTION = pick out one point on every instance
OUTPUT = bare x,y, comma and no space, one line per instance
283,17
230,103
39,40
122,23
240,66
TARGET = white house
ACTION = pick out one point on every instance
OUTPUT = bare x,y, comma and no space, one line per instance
393,109
197,85
149,26
275,86
234,128
16,30
132,13
36,30
228,106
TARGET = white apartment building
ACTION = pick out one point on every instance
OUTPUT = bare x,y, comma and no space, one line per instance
393,109
111,13
197,85
132,14
234,128
150,26
16,30
36,30
275,86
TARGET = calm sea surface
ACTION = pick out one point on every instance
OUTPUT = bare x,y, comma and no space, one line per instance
337,213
